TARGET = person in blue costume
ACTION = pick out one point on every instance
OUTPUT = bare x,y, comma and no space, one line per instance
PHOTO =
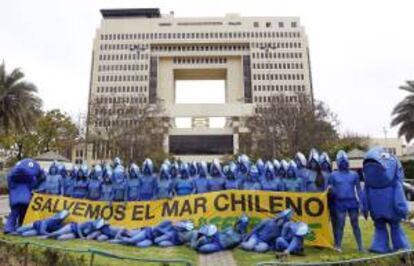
276,165
105,233
292,238
230,172
261,167
148,182
107,192
229,238
301,164
165,188
270,183
54,181
69,181
80,188
76,230
133,183
193,169
251,181
384,200
184,186
201,181
263,235
119,184
292,183
178,234
216,181
346,189
326,168
281,174
44,226
95,183
243,167
21,180
174,171
313,172
143,237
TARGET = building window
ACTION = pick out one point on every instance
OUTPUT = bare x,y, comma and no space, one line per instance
256,24
294,24
268,24
281,25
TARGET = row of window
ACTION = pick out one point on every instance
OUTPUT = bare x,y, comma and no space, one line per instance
270,76
116,122
122,67
280,24
200,35
276,55
277,66
295,88
119,78
204,60
121,89
119,100
119,111
178,48
273,99
130,56
122,46
277,45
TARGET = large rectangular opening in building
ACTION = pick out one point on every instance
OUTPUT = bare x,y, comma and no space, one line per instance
206,144
200,91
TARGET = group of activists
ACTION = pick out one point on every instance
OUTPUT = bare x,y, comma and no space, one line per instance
115,182
279,233
382,197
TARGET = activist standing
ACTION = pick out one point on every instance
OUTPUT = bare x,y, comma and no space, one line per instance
148,182
133,183
184,186
80,188
165,189
269,182
201,181
251,181
95,182
230,172
346,189
216,181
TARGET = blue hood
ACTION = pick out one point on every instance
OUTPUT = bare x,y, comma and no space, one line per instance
184,171
53,168
291,171
134,171
313,160
97,172
83,171
244,164
276,166
62,170
215,170
117,162
269,171
381,168
147,167
202,169
254,173
25,170
119,174
174,170
164,172
342,160
325,162
300,160
241,224
193,169
260,166
283,168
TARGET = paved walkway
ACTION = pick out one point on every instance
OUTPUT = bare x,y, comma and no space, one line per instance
224,258
4,205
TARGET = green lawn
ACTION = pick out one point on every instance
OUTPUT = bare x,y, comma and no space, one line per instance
242,257
315,254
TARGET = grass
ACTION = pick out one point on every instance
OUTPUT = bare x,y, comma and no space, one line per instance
313,254
183,252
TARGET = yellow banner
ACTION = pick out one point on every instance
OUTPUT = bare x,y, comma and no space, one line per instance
221,208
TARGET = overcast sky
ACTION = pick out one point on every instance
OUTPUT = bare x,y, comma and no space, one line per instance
361,51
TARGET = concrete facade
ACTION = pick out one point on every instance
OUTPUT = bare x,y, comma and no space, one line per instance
138,54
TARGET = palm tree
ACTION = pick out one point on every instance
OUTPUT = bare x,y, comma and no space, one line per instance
19,104
404,113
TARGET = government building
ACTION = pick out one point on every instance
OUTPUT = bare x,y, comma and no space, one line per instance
140,55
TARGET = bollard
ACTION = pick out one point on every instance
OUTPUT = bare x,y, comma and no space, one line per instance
26,254
92,258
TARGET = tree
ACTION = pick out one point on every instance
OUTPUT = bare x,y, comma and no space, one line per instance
285,124
19,105
403,113
56,132
127,127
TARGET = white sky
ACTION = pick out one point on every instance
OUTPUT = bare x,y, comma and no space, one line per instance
361,51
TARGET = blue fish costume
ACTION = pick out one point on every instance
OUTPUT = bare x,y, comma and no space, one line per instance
165,188
292,238
216,181
21,180
45,226
148,182
384,199
201,181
